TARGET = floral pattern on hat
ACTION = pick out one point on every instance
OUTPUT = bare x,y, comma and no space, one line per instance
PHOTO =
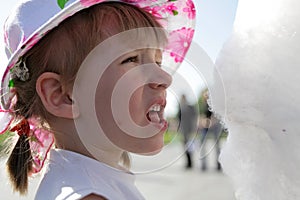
179,43
190,9
171,8
88,3
155,11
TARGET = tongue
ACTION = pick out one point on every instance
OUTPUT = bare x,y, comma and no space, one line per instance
154,117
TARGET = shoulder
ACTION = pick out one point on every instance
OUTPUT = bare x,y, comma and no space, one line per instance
67,176
78,177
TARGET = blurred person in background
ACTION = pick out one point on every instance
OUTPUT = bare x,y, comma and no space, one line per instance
209,124
187,118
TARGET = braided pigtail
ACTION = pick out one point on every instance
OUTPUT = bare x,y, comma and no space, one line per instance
19,164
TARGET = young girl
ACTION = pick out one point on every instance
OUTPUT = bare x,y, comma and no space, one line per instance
56,51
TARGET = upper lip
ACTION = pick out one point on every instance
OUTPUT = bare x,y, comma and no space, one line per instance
161,102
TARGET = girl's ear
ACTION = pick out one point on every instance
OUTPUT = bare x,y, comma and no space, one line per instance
55,97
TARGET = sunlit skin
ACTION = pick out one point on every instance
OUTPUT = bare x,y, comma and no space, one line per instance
140,102
57,99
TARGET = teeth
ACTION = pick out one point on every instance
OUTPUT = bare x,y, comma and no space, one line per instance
155,108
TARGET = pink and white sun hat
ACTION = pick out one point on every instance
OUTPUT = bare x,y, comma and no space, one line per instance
32,19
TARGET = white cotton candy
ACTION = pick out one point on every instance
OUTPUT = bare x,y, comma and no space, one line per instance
260,70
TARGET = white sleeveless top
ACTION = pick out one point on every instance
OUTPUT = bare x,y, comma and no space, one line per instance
71,176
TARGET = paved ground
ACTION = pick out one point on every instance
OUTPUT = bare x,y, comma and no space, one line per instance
161,177
169,180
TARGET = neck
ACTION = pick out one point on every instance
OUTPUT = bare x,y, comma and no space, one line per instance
69,140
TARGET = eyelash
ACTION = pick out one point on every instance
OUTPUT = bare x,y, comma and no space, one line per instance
130,59
135,59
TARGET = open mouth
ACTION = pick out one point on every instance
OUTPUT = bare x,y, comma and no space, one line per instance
155,114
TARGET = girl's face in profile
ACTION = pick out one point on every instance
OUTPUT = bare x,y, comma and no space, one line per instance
130,101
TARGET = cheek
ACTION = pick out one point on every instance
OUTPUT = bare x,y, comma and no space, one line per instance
137,107
136,104
103,100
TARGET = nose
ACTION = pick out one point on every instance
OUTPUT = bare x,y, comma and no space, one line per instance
160,79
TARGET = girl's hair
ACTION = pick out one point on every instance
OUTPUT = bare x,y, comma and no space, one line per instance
62,51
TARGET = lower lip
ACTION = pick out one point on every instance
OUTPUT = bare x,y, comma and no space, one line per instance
165,125
162,126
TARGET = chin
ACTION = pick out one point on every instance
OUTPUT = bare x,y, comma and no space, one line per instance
152,147
152,153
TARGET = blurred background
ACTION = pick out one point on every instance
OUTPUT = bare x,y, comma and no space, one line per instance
187,167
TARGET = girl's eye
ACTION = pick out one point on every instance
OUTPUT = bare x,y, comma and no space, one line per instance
130,59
